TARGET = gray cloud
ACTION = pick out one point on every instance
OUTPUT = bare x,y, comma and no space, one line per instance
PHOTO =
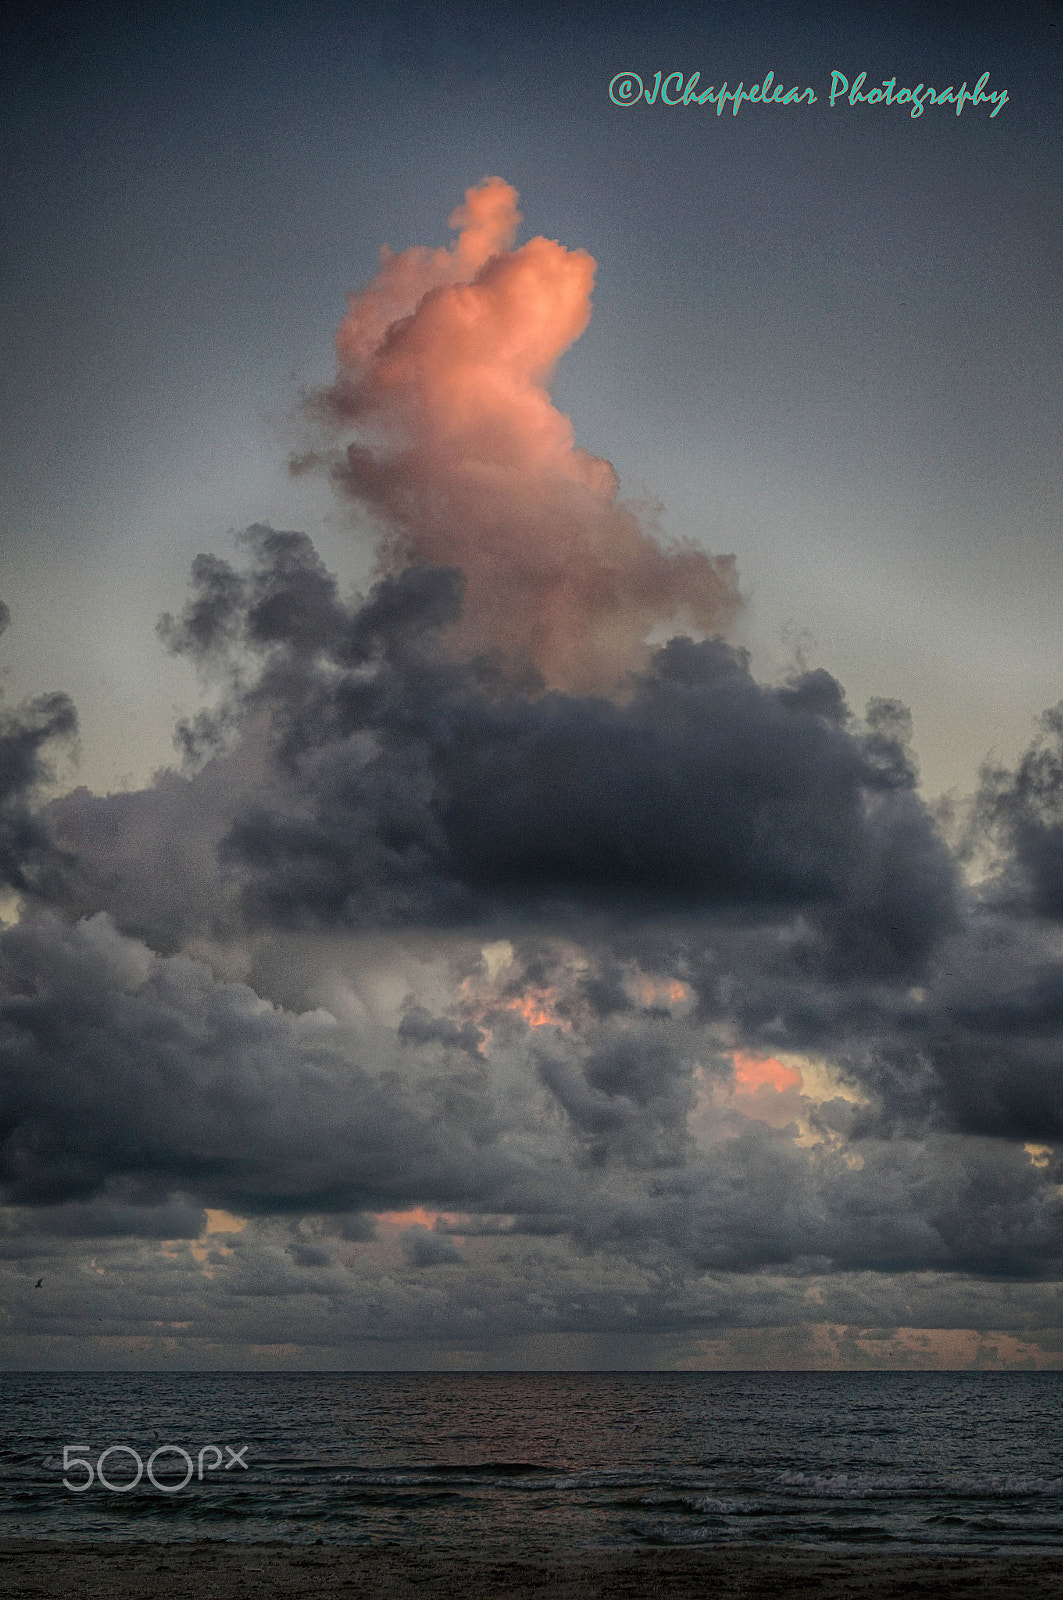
424,1248
1022,810
121,1064
132,1080
412,935
368,778
27,737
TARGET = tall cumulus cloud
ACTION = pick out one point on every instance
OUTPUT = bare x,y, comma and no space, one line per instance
449,436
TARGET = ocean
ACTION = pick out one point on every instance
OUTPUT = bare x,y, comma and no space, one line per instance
539,1463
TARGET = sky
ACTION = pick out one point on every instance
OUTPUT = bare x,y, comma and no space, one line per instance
531,811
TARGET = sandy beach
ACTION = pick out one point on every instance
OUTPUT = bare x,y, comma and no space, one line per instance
214,1570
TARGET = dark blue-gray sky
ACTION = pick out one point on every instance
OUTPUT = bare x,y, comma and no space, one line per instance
421,1017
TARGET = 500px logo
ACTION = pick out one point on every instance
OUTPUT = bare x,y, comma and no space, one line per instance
74,1458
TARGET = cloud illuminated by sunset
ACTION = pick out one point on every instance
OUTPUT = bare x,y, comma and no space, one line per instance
753,1073
459,451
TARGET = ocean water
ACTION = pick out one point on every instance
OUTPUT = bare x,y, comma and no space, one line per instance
540,1462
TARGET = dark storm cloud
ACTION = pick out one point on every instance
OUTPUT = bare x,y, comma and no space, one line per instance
1023,811
995,1033
28,735
629,1096
359,775
424,1248
418,1026
758,845
759,1200
113,1215
117,1064
976,1047
135,1089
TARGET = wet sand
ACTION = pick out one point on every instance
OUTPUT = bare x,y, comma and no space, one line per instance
213,1570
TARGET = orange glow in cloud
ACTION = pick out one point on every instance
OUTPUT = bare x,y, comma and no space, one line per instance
652,991
763,1072
410,1219
536,1005
537,1009
444,364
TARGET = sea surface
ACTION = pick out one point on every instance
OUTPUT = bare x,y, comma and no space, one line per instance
537,1463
